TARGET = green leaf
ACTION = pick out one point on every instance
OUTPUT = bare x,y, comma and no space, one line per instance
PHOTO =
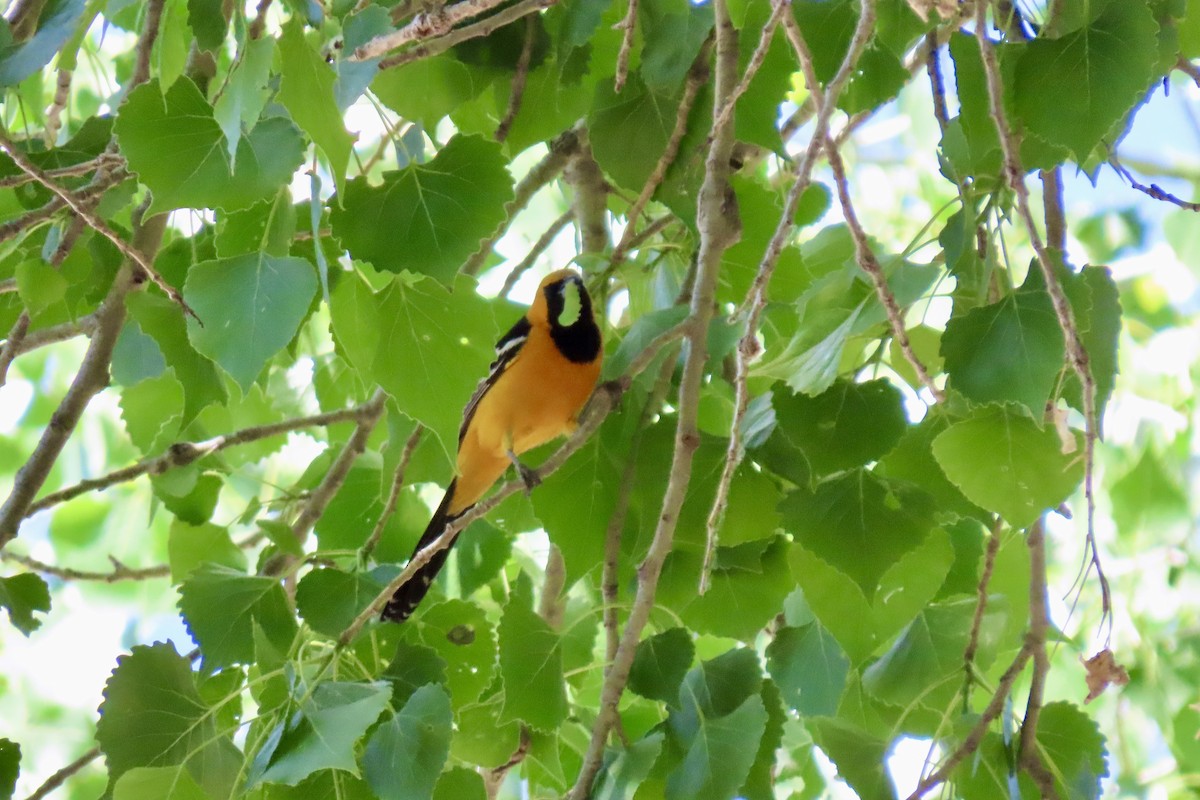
660,663
1074,750
809,667
164,783
404,334
1147,496
720,753
404,755
1075,90
460,634
22,595
251,306
459,783
629,131
531,668
55,24
176,147
10,767
674,31
912,460
197,505
152,410
760,782
152,716
1097,309
440,210
1009,350
246,92
329,599
306,90
1023,470
190,546
715,688
925,663
207,23
220,607
859,756
628,768
912,583
412,667
481,551
837,601
445,83
859,523
323,734
161,319
848,425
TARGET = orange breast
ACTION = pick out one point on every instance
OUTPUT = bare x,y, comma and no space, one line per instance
536,399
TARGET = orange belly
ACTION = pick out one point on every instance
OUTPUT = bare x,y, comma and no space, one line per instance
536,399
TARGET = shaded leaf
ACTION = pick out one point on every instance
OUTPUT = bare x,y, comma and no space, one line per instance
809,667
660,663
23,595
404,756
220,607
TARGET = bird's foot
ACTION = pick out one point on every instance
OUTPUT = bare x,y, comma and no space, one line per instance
528,475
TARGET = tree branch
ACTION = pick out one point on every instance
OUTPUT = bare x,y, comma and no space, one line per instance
540,246
720,227
981,599
425,27
181,454
591,198
59,778
627,26
394,495
93,220
1035,641
520,75
119,572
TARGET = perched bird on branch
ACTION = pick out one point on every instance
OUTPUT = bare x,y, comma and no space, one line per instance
545,369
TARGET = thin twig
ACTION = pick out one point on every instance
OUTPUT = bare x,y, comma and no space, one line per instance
981,599
870,264
779,7
119,572
260,19
484,27
973,739
72,171
1153,190
319,498
540,246
1188,68
697,76
720,227
1076,352
756,298
58,778
1052,201
430,25
520,75
394,495
1035,640
627,26
93,220
562,149
12,344
183,453
145,45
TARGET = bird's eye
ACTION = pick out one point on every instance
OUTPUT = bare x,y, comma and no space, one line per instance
572,306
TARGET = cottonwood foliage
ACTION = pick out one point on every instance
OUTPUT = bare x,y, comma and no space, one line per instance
872,576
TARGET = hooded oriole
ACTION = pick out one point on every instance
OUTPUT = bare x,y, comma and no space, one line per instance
545,369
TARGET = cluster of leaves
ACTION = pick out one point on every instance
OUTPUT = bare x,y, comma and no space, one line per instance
847,582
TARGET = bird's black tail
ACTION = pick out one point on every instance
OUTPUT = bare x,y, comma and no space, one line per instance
406,599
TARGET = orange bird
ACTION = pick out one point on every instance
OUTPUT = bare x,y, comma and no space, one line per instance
545,369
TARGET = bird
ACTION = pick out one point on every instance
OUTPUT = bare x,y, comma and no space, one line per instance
545,369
